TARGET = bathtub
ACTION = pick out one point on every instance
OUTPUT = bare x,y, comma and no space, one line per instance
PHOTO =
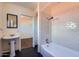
55,50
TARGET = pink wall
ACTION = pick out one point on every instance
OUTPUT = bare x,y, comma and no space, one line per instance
63,8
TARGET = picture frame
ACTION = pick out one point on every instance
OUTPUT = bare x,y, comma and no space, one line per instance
12,21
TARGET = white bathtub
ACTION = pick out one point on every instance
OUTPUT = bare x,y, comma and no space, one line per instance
53,49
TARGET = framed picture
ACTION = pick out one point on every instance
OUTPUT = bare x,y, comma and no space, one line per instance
12,21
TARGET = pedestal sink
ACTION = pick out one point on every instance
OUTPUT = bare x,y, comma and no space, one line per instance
12,39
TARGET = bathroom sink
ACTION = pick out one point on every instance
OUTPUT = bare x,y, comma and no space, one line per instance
10,36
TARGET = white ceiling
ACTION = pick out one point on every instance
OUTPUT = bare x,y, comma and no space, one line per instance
43,6
30,5
33,5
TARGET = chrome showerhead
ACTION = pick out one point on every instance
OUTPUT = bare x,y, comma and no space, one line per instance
50,18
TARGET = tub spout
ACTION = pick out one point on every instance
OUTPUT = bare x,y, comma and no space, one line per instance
47,41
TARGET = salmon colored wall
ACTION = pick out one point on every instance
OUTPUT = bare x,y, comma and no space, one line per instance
64,8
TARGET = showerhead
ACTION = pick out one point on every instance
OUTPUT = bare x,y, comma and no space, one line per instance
50,18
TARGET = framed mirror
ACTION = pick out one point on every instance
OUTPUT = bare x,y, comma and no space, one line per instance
12,21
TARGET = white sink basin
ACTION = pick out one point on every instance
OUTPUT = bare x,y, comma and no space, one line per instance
10,36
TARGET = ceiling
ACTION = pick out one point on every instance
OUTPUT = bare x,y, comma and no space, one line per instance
30,5
33,5
43,6
46,7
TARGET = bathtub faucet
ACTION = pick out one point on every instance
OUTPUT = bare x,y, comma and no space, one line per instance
47,41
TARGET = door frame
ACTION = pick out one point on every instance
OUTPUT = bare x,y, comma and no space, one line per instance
32,18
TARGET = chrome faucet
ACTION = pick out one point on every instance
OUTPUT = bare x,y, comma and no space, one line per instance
47,41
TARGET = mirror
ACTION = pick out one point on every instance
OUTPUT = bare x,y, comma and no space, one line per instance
12,21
